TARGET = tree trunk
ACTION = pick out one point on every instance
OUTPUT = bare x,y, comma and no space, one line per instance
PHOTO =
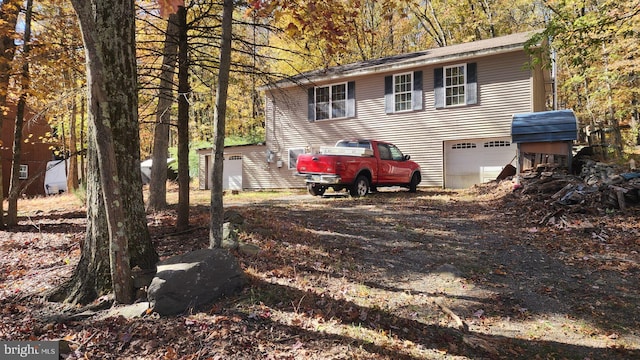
9,10
83,153
217,209
14,182
158,182
108,34
182,221
72,177
92,277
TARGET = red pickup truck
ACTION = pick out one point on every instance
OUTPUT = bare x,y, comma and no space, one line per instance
358,166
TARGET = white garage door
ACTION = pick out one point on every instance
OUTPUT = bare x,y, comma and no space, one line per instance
232,172
469,162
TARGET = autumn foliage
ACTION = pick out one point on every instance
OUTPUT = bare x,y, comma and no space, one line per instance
168,7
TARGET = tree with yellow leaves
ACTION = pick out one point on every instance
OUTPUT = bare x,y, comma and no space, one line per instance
598,54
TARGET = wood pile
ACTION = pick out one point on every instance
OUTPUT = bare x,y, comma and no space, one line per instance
598,185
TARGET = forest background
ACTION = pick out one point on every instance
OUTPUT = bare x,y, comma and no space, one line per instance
596,44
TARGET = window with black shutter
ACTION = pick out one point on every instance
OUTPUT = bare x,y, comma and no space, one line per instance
455,85
333,101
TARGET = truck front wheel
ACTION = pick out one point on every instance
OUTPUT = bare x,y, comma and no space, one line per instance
316,190
413,185
360,187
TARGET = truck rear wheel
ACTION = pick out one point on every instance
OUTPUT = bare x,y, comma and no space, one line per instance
360,187
316,190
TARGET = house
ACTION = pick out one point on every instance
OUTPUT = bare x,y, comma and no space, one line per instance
449,108
36,152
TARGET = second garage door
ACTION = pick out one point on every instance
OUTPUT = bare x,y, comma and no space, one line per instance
474,161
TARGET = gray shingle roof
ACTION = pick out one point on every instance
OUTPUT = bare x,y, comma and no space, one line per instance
503,44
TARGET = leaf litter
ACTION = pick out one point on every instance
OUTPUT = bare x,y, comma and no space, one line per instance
439,274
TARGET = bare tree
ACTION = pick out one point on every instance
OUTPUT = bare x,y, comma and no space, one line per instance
158,183
182,220
217,209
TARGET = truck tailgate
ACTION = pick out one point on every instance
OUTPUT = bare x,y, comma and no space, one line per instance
316,163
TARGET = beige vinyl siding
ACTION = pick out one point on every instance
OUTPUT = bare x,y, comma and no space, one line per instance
257,174
504,88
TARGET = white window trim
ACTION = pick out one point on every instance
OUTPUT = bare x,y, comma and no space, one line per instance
409,92
464,84
24,172
330,86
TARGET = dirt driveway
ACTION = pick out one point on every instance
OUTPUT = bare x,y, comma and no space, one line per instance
480,263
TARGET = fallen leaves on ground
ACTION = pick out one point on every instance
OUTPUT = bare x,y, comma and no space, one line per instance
342,278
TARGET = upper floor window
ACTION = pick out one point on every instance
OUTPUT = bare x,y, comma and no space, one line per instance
403,92
332,101
455,85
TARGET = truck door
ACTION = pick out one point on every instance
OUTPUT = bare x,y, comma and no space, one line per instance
401,167
385,165
393,168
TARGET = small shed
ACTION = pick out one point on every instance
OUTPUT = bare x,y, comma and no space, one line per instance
544,138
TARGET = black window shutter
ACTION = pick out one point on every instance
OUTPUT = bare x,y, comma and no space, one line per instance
311,102
389,103
351,99
472,83
438,87
416,96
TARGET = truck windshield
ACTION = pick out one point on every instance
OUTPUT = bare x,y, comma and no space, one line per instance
354,143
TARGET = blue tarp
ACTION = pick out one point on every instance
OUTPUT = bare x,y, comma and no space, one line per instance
629,176
544,126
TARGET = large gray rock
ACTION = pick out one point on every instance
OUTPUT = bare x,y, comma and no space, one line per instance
193,279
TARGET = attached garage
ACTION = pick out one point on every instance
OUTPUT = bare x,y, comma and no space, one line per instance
474,161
